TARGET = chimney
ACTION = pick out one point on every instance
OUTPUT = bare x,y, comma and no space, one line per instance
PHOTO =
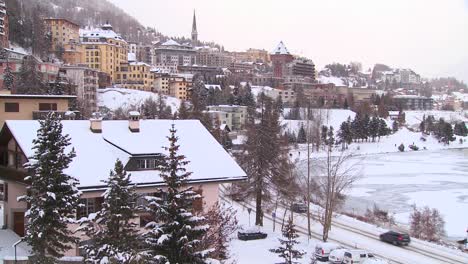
134,121
95,123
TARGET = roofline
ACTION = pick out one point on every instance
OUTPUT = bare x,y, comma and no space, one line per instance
161,183
57,18
38,96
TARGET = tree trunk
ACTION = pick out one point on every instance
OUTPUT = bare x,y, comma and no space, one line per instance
258,209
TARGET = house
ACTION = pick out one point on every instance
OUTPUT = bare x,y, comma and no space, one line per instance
29,107
98,144
234,116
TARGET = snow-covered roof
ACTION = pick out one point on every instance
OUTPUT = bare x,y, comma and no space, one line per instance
103,32
131,56
280,49
170,42
48,96
410,96
96,153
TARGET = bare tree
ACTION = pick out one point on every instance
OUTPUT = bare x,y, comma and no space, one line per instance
338,173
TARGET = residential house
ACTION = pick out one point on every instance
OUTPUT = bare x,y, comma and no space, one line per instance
98,144
30,107
234,116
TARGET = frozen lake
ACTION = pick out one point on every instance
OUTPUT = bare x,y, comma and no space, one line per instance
395,181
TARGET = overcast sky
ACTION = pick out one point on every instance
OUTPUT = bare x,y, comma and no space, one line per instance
429,36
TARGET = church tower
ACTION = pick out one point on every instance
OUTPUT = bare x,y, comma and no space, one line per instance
194,30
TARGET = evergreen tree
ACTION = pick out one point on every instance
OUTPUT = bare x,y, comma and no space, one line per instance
395,126
345,104
114,236
279,105
344,134
29,80
383,129
174,234
183,112
287,249
301,135
374,128
8,77
263,155
52,195
460,129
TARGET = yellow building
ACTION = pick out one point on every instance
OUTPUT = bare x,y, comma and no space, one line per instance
179,87
31,107
62,31
161,83
103,49
135,75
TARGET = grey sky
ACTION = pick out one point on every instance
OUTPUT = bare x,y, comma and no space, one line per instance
430,36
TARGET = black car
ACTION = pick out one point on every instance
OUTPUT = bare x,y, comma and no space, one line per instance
251,235
400,239
300,208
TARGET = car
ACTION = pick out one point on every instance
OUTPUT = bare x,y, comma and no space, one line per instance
396,238
323,249
355,256
251,235
299,208
336,256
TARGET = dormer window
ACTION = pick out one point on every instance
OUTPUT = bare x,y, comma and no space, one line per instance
144,162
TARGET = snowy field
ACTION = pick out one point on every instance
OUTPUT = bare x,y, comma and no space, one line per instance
395,181
114,98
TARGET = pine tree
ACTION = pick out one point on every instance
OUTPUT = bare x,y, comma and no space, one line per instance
383,129
183,112
301,135
374,128
8,77
287,249
174,234
29,80
114,235
52,194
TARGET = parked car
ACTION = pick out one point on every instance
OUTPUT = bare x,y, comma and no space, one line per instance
356,256
323,249
337,256
396,238
251,235
299,208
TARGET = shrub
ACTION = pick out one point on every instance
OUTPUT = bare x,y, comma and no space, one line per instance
401,148
414,147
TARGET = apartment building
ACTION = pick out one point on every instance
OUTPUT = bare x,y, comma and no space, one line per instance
4,26
234,116
103,49
86,81
135,75
174,54
62,31
213,57
179,87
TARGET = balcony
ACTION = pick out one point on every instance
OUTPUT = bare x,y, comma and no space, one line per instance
40,115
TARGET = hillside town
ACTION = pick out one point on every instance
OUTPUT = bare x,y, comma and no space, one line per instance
120,144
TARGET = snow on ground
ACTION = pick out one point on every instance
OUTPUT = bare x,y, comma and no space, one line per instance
395,181
257,251
114,98
7,239
414,118
337,81
330,117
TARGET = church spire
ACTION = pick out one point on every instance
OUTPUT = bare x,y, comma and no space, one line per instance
194,29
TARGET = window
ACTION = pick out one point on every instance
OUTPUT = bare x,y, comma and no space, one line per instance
90,205
4,192
47,106
11,107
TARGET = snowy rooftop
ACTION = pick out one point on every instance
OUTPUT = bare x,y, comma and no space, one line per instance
99,33
280,49
170,42
131,56
97,152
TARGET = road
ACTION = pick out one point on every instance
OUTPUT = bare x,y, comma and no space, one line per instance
353,235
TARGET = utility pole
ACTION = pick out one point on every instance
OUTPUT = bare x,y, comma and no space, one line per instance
308,172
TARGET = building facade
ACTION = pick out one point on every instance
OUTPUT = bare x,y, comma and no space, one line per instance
235,116
86,81
135,75
62,31
213,57
31,107
280,57
103,50
413,102
174,54
4,25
